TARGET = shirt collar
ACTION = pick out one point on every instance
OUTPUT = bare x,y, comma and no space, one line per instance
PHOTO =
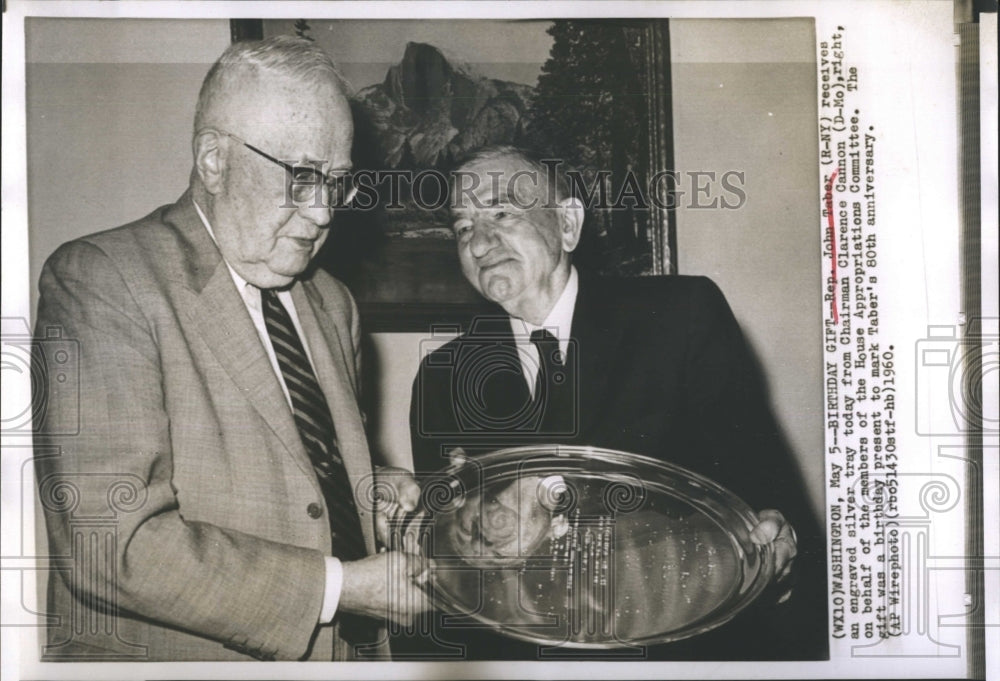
559,321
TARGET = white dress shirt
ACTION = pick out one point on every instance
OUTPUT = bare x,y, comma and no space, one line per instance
251,299
559,323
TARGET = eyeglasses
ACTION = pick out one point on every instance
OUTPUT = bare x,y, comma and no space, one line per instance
304,180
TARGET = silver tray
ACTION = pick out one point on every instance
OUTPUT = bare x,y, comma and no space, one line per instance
588,548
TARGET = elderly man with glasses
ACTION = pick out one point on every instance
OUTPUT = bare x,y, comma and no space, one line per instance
214,495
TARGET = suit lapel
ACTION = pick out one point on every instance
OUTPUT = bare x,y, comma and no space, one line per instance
339,384
492,383
220,315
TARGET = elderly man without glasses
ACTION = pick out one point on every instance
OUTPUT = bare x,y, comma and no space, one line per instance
220,441
654,366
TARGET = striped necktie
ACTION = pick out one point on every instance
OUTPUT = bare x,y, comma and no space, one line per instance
316,430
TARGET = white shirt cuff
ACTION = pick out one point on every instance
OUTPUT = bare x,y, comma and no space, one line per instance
334,582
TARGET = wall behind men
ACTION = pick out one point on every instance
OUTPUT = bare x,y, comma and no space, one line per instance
110,109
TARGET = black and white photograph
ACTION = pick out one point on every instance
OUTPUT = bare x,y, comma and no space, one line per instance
517,340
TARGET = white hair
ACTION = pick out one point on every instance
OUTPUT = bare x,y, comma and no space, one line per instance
295,58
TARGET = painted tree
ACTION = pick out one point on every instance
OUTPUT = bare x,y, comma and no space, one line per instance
589,108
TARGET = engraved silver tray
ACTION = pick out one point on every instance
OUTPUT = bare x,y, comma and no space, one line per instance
588,548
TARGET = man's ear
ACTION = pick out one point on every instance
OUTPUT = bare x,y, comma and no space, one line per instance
571,223
210,160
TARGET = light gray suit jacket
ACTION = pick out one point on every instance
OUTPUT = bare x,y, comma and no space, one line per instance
174,482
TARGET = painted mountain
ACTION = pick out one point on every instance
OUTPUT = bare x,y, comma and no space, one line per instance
433,108
430,110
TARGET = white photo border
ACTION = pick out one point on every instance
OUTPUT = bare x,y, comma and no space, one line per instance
907,52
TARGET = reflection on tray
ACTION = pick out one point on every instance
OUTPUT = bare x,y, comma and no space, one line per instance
592,556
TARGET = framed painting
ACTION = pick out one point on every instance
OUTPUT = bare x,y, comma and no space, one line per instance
590,94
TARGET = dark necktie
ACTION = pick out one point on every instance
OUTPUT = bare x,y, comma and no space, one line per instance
555,387
549,365
315,425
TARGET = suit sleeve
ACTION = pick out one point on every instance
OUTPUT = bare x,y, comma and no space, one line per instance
253,595
434,428
426,447
730,409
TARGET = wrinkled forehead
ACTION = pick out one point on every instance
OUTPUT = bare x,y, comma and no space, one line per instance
287,114
495,182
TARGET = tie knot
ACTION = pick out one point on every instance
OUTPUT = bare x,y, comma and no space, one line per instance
547,346
542,336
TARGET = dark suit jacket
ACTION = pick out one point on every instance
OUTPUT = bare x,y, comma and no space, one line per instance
661,369
176,489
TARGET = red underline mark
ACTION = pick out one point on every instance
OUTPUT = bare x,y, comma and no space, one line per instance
833,244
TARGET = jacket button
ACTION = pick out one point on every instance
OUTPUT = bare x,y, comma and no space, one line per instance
314,510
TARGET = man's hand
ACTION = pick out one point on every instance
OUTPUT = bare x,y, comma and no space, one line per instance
397,493
457,457
773,529
386,585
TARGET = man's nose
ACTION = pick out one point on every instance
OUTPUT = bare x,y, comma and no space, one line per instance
483,238
316,212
